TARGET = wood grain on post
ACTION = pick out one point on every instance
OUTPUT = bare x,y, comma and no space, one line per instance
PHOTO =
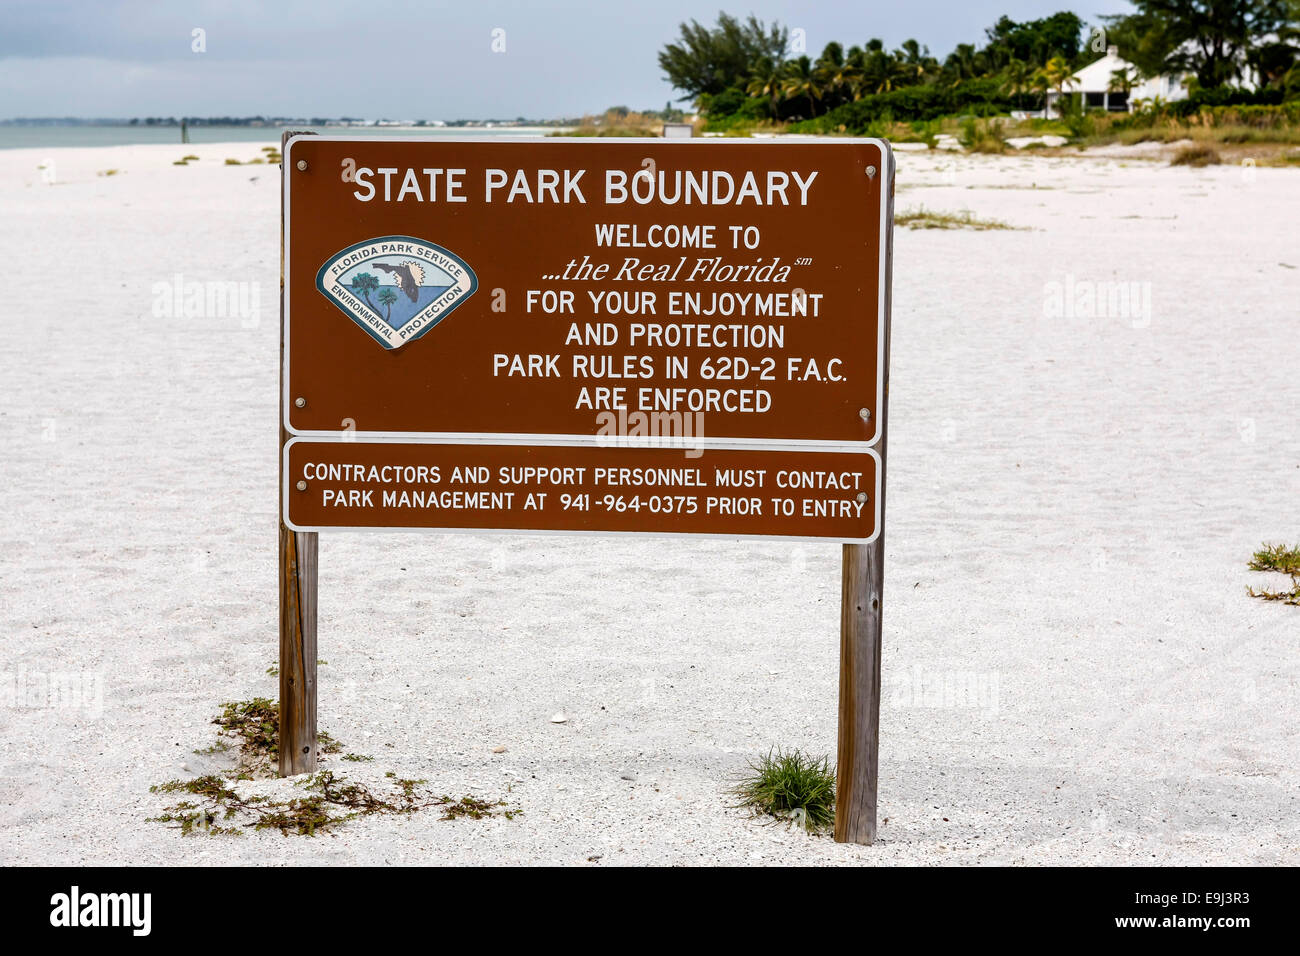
298,563
861,607
298,566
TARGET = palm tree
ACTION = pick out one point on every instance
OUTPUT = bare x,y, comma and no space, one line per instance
882,71
965,63
767,80
1038,82
801,82
387,296
1058,75
836,75
914,62
1017,78
1121,81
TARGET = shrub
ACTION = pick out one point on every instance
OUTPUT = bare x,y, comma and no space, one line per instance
981,97
790,786
982,136
726,103
1199,155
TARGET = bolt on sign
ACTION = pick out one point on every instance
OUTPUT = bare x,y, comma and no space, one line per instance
684,337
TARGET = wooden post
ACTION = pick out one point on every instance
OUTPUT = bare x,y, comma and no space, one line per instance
298,563
861,607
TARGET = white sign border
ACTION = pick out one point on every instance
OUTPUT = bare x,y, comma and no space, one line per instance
286,492
886,172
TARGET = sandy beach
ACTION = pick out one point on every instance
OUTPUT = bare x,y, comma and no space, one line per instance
1073,670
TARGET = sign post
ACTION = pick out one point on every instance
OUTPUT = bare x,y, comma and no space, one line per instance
862,600
297,577
604,337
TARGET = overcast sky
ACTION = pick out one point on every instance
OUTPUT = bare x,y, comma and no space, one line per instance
406,59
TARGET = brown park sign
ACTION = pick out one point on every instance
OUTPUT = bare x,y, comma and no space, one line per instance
568,290
364,485
683,337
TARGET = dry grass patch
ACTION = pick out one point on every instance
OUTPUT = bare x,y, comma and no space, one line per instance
214,804
923,218
1197,155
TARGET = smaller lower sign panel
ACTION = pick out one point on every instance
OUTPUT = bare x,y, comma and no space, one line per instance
410,486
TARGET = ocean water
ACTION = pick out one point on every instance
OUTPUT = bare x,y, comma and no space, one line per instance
53,137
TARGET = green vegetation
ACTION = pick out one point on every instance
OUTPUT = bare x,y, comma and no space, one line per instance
740,71
748,75
1209,38
328,801
928,219
213,804
1262,133
982,136
1279,559
790,786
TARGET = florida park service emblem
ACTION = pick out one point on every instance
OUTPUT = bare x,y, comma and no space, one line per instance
396,287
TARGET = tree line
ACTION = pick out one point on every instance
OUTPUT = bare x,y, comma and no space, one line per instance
759,71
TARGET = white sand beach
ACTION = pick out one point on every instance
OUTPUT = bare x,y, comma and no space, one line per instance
1073,670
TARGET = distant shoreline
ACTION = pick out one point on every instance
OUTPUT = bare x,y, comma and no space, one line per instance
81,135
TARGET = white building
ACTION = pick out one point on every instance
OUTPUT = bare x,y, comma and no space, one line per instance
1095,82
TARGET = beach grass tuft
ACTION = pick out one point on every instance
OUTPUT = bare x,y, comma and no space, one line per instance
923,218
790,785
1280,559
983,136
1277,557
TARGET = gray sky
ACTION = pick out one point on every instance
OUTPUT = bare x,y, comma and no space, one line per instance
405,59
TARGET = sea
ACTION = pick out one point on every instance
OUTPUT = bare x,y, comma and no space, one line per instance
53,137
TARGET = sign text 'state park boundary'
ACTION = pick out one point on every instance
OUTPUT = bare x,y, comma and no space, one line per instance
667,337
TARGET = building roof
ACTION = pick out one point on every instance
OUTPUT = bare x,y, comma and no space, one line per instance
1095,77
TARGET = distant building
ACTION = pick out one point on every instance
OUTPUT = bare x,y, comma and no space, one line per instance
1096,83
